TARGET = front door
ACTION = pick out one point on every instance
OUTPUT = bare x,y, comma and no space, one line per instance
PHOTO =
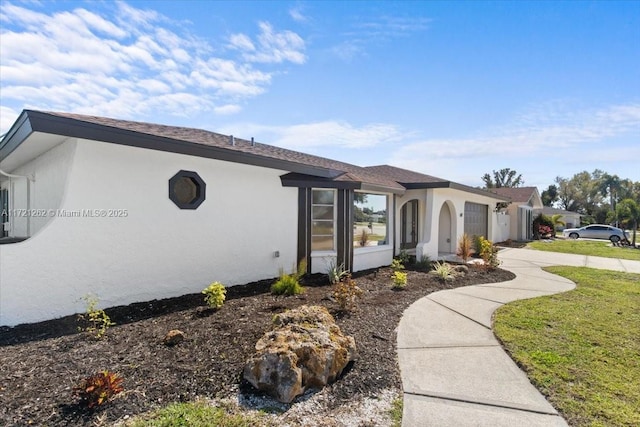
409,225
444,230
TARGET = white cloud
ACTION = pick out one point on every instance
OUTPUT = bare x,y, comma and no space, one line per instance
7,117
331,133
126,61
272,46
227,109
392,26
535,133
538,137
297,15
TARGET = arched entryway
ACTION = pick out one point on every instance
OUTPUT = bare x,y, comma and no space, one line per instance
409,225
445,231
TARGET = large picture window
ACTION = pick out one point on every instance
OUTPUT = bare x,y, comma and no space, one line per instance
323,220
371,218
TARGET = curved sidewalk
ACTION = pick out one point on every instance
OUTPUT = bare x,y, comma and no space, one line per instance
454,371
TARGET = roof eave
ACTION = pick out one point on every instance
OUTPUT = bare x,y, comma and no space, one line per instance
19,132
36,121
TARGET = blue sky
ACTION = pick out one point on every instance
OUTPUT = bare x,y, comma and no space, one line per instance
451,89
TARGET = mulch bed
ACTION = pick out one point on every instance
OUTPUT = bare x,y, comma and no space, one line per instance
41,363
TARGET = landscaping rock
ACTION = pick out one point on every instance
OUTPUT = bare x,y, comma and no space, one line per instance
306,349
461,268
173,337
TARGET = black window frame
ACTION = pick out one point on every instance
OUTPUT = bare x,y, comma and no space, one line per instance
201,189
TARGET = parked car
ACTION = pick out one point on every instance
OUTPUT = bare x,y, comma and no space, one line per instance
596,231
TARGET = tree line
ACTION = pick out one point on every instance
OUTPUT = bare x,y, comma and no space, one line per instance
598,196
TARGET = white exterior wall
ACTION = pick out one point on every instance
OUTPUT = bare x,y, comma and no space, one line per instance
434,199
31,198
157,250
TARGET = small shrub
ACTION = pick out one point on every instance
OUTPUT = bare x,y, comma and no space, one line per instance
335,272
489,253
425,262
477,244
464,247
541,220
289,284
215,294
346,293
98,389
443,271
399,279
97,320
396,265
404,257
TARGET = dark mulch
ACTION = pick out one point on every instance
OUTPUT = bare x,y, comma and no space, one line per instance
41,363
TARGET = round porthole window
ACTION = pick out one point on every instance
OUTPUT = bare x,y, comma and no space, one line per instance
187,190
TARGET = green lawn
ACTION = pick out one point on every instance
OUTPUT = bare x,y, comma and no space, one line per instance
581,348
196,414
586,247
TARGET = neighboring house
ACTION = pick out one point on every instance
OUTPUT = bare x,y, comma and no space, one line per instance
571,219
525,201
132,211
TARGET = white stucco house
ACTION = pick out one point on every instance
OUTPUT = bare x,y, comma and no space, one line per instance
525,205
131,211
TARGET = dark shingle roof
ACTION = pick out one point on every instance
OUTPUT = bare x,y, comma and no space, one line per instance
415,180
198,142
338,170
517,194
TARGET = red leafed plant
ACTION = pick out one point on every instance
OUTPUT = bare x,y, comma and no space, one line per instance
98,389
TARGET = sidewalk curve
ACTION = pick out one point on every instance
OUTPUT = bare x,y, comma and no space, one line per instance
454,371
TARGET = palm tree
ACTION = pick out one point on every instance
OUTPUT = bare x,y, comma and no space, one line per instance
556,221
628,210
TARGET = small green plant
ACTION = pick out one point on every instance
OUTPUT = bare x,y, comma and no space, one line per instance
215,294
98,389
464,247
399,279
396,265
396,412
289,284
335,272
346,293
443,271
404,257
97,321
489,253
425,262
477,244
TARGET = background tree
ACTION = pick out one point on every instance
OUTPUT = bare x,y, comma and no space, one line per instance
582,194
629,211
503,178
550,195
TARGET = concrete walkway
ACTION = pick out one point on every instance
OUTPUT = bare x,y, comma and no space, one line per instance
454,371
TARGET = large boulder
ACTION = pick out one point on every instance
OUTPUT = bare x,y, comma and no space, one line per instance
306,349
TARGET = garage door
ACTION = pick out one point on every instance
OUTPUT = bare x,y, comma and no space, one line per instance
476,219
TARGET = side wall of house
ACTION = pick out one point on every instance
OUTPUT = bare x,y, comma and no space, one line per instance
123,240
